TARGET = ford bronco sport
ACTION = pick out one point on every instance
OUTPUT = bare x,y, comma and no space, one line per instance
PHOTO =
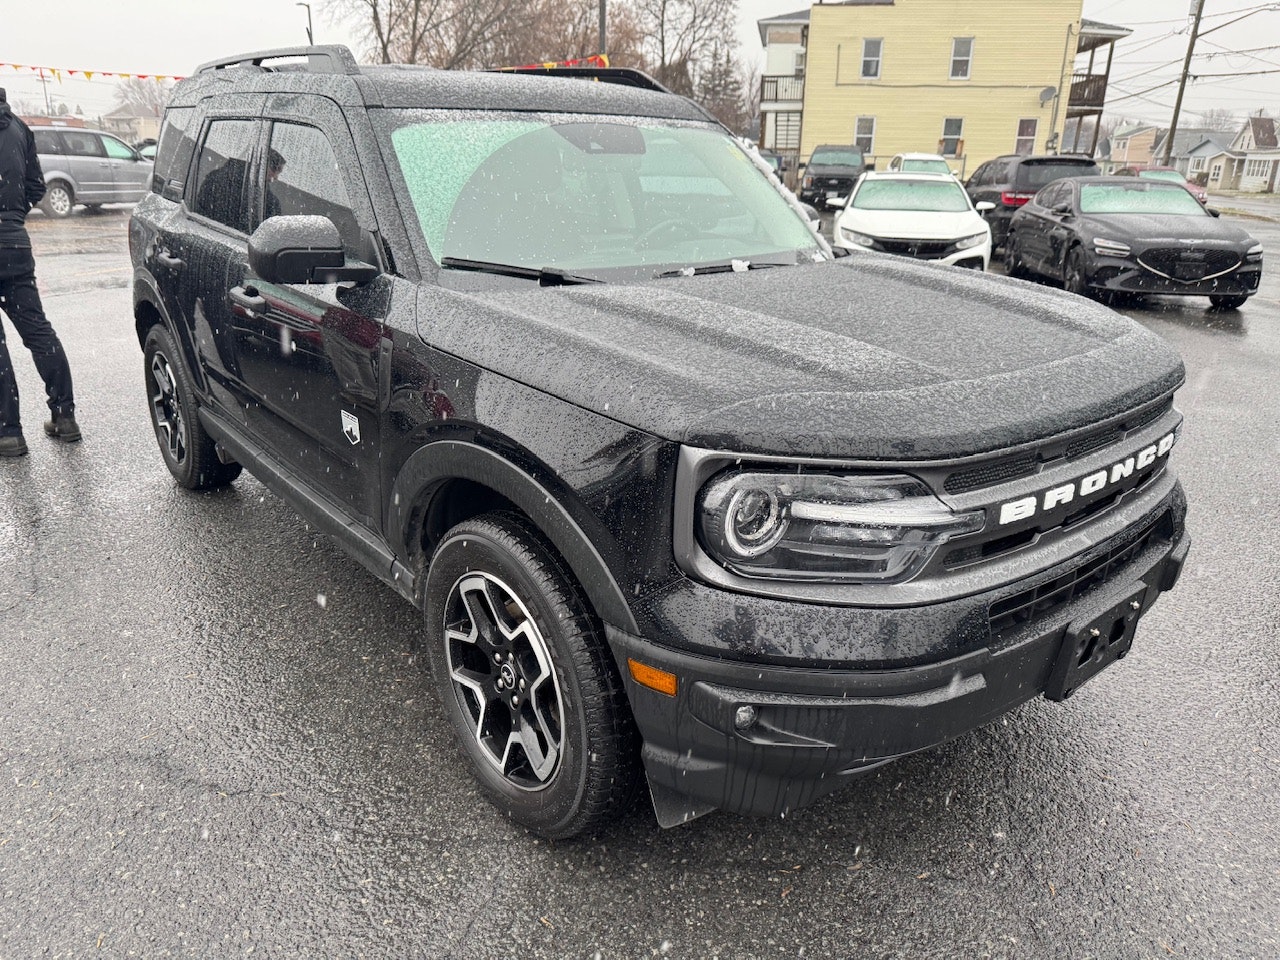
559,363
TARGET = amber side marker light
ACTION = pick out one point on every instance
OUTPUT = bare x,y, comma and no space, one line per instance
652,677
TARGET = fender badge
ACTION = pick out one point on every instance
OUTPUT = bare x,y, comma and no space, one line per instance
350,427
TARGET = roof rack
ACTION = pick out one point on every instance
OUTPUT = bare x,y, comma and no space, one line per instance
329,58
623,76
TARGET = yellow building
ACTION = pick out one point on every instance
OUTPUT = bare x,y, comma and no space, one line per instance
970,79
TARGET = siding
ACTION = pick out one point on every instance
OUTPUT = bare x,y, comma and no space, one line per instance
1016,54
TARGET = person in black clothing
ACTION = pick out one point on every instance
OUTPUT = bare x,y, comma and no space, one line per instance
21,187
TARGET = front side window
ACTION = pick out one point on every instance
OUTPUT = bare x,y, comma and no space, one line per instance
303,178
871,59
864,134
1140,196
117,150
173,152
610,198
1024,144
952,129
222,170
934,195
961,57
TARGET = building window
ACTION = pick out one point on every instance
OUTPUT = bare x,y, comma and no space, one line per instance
800,63
1197,164
961,57
864,134
1257,168
952,129
1025,142
871,59
1215,172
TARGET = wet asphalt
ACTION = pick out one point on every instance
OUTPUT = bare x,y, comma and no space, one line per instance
215,740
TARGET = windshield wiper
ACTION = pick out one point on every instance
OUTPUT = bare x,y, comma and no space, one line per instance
730,266
546,276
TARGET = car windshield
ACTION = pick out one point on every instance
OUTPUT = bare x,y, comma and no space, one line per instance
941,196
1138,197
924,166
590,195
1033,176
1173,176
843,158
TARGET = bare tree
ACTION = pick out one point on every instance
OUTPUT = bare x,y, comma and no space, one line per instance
1219,119
145,98
684,38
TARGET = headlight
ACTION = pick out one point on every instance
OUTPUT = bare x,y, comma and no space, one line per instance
808,181
1254,254
823,527
1110,248
964,243
857,239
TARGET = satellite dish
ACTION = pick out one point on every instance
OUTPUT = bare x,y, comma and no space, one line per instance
1047,94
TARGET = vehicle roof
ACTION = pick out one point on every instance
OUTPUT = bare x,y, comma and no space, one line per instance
411,86
837,146
921,156
1124,181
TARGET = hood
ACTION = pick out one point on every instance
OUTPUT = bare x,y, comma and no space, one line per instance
913,224
1157,230
866,357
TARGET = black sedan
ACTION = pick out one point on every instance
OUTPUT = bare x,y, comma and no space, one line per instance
1107,236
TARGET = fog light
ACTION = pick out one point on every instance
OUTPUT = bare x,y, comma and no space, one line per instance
745,717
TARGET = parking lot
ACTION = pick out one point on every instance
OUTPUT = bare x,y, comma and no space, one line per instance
217,739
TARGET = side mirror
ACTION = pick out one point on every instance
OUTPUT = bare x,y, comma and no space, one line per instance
1213,211
303,249
982,206
1063,209
800,165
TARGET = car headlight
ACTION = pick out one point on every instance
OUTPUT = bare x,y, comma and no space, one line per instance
825,527
857,239
808,181
1254,254
1110,248
964,243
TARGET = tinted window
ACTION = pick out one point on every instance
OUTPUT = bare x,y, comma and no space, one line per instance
117,150
222,170
1033,176
47,142
302,177
80,143
173,153
1053,195
982,175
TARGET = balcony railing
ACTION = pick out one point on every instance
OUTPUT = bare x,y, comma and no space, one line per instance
774,89
1088,90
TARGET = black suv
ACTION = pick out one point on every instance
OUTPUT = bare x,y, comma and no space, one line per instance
1011,181
829,176
682,497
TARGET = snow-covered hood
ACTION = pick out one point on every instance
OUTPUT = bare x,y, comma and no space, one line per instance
912,224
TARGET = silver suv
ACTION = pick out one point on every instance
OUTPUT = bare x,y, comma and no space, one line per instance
89,167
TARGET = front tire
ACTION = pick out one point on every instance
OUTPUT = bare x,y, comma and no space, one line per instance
58,200
188,451
1013,264
1073,275
1227,301
523,670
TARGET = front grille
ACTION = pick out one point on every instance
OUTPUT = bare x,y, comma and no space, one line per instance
1013,612
1189,265
920,249
1004,469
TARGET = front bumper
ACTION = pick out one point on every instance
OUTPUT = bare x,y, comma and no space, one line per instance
815,728
1126,276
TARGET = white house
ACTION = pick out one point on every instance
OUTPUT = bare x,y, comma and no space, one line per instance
1257,142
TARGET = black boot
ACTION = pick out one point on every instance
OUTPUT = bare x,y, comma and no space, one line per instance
63,427
13,446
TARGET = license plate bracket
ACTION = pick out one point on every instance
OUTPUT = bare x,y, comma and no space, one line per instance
1089,647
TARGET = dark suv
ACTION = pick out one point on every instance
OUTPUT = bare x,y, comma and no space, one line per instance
829,176
1011,181
682,497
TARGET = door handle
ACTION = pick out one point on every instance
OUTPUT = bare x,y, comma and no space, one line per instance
249,298
168,260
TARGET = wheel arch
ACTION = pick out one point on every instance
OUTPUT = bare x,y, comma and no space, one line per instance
448,481
149,311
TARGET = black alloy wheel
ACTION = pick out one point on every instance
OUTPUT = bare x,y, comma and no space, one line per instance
1073,275
524,672
188,451
1013,264
1224,301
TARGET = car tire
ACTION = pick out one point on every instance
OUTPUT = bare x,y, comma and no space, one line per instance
1073,275
58,200
1013,264
1227,301
188,451
523,671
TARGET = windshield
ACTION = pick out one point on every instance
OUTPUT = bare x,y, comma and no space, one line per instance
944,196
843,158
1138,197
925,166
1033,176
587,196
1173,176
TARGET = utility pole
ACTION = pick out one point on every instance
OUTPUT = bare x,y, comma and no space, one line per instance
310,38
44,82
602,30
1182,83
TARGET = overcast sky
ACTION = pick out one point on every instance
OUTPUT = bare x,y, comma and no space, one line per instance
173,36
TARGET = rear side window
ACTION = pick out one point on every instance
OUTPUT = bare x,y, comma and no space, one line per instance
47,142
222,170
173,152
1033,176
80,143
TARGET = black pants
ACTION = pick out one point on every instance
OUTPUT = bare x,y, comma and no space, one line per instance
20,301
